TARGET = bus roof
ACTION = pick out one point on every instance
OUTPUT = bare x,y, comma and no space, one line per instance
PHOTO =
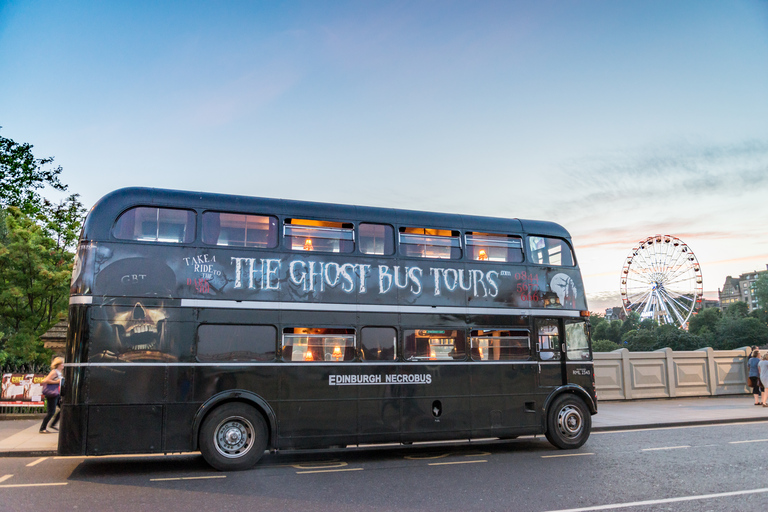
103,214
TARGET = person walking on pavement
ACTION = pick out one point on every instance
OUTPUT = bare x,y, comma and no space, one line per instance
52,391
754,375
763,367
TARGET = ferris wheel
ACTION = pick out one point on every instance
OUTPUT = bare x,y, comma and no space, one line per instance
661,280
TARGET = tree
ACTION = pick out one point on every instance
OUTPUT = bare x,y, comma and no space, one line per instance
737,309
761,290
630,323
22,175
707,319
604,346
34,287
608,331
736,332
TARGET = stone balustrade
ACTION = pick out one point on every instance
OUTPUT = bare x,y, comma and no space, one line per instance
625,375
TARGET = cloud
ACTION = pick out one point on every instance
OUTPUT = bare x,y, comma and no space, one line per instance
670,173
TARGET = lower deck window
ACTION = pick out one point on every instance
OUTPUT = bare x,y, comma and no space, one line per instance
500,345
378,344
236,343
434,345
304,344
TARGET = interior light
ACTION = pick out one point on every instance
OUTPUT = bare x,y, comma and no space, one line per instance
308,356
482,255
308,244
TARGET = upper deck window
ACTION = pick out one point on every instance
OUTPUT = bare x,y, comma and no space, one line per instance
491,247
376,239
430,243
319,235
149,224
550,251
239,230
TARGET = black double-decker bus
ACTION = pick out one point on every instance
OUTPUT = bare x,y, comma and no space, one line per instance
232,325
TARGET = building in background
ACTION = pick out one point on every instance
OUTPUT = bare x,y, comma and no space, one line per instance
742,288
616,313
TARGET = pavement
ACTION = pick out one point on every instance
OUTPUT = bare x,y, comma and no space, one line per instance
20,437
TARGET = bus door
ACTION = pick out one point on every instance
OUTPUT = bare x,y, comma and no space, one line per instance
549,352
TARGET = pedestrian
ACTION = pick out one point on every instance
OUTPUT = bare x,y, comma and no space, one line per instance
51,391
763,367
754,375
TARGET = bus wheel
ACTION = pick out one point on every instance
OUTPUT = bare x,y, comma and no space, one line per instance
568,422
233,437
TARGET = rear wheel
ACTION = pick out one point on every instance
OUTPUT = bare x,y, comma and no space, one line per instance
568,422
233,437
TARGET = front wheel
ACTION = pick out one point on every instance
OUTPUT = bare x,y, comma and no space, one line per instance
568,422
233,437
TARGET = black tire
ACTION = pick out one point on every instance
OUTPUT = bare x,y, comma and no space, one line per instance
568,422
233,437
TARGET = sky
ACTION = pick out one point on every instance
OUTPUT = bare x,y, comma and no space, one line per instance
618,120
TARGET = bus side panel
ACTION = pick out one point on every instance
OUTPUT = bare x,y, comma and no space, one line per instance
74,419
378,407
439,409
312,413
179,419
503,397
124,429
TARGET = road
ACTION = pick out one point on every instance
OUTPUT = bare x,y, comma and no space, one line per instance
711,468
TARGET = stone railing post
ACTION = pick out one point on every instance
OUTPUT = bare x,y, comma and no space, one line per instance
626,371
671,381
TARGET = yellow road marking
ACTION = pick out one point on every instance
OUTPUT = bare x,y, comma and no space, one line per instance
456,462
664,448
750,441
328,471
565,455
30,485
4,478
186,478
38,461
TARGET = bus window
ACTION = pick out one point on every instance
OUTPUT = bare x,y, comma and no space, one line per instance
500,345
576,340
312,344
318,235
239,230
550,251
148,224
236,343
378,344
490,247
548,344
376,239
434,345
430,243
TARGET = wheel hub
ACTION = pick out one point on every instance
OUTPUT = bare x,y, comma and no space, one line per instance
234,437
570,422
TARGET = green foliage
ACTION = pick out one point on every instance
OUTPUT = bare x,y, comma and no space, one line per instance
604,346
761,291
707,319
22,175
740,332
34,288
608,331
738,309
